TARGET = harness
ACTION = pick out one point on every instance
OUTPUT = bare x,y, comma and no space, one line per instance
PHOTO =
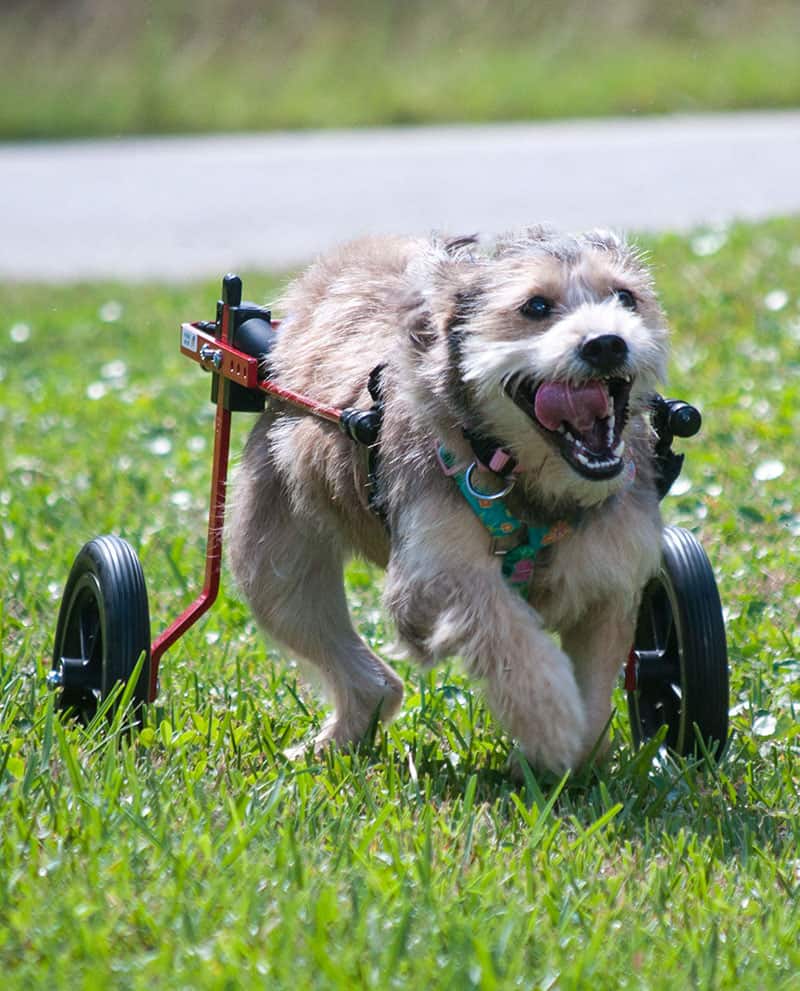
364,427
518,559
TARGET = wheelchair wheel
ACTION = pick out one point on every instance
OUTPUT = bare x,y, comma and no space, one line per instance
680,654
103,628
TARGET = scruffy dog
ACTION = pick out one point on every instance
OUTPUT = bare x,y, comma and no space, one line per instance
532,359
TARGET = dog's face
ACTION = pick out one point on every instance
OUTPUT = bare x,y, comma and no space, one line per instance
553,344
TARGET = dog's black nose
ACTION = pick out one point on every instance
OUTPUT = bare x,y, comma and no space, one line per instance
604,353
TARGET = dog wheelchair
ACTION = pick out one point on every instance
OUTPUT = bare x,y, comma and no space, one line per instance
676,675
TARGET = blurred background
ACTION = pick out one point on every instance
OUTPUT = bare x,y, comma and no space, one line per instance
73,68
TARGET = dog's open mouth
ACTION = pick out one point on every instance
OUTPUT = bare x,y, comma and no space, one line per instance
584,421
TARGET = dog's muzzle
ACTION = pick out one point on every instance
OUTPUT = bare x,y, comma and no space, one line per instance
584,421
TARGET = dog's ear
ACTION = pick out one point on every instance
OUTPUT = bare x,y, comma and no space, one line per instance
426,323
461,247
465,304
622,251
446,289
524,240
605,240
419,323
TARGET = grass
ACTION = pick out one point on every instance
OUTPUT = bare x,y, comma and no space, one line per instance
94,68
194,855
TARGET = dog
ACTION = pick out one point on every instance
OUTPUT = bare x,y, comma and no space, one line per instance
520,370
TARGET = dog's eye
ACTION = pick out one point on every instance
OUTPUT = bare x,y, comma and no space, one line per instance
537,308
626,298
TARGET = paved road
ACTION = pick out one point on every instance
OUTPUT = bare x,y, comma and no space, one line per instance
187,207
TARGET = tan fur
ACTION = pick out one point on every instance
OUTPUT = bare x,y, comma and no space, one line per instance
445,319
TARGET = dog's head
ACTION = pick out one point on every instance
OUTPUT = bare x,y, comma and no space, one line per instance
549,343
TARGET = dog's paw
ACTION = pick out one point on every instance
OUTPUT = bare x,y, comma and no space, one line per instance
553,739
538,702
555,759
299,751
313,748
518,768
334,734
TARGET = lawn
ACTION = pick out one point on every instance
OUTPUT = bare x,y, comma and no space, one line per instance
194,855
87,67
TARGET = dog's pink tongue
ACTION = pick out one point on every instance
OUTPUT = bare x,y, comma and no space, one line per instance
580,406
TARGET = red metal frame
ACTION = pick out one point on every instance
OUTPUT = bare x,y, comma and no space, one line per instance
215,354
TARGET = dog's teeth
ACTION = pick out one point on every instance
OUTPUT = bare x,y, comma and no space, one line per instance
592,463
611,424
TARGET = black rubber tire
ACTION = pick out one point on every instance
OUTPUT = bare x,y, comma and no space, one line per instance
682,678
103,627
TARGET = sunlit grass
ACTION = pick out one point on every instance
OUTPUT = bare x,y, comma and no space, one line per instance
195,855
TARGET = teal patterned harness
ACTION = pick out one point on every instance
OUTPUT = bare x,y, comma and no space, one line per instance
491,510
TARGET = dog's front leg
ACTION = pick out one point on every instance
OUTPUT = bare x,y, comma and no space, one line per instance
446,600
598,646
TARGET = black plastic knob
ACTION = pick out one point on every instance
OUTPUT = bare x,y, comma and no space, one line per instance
684,420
